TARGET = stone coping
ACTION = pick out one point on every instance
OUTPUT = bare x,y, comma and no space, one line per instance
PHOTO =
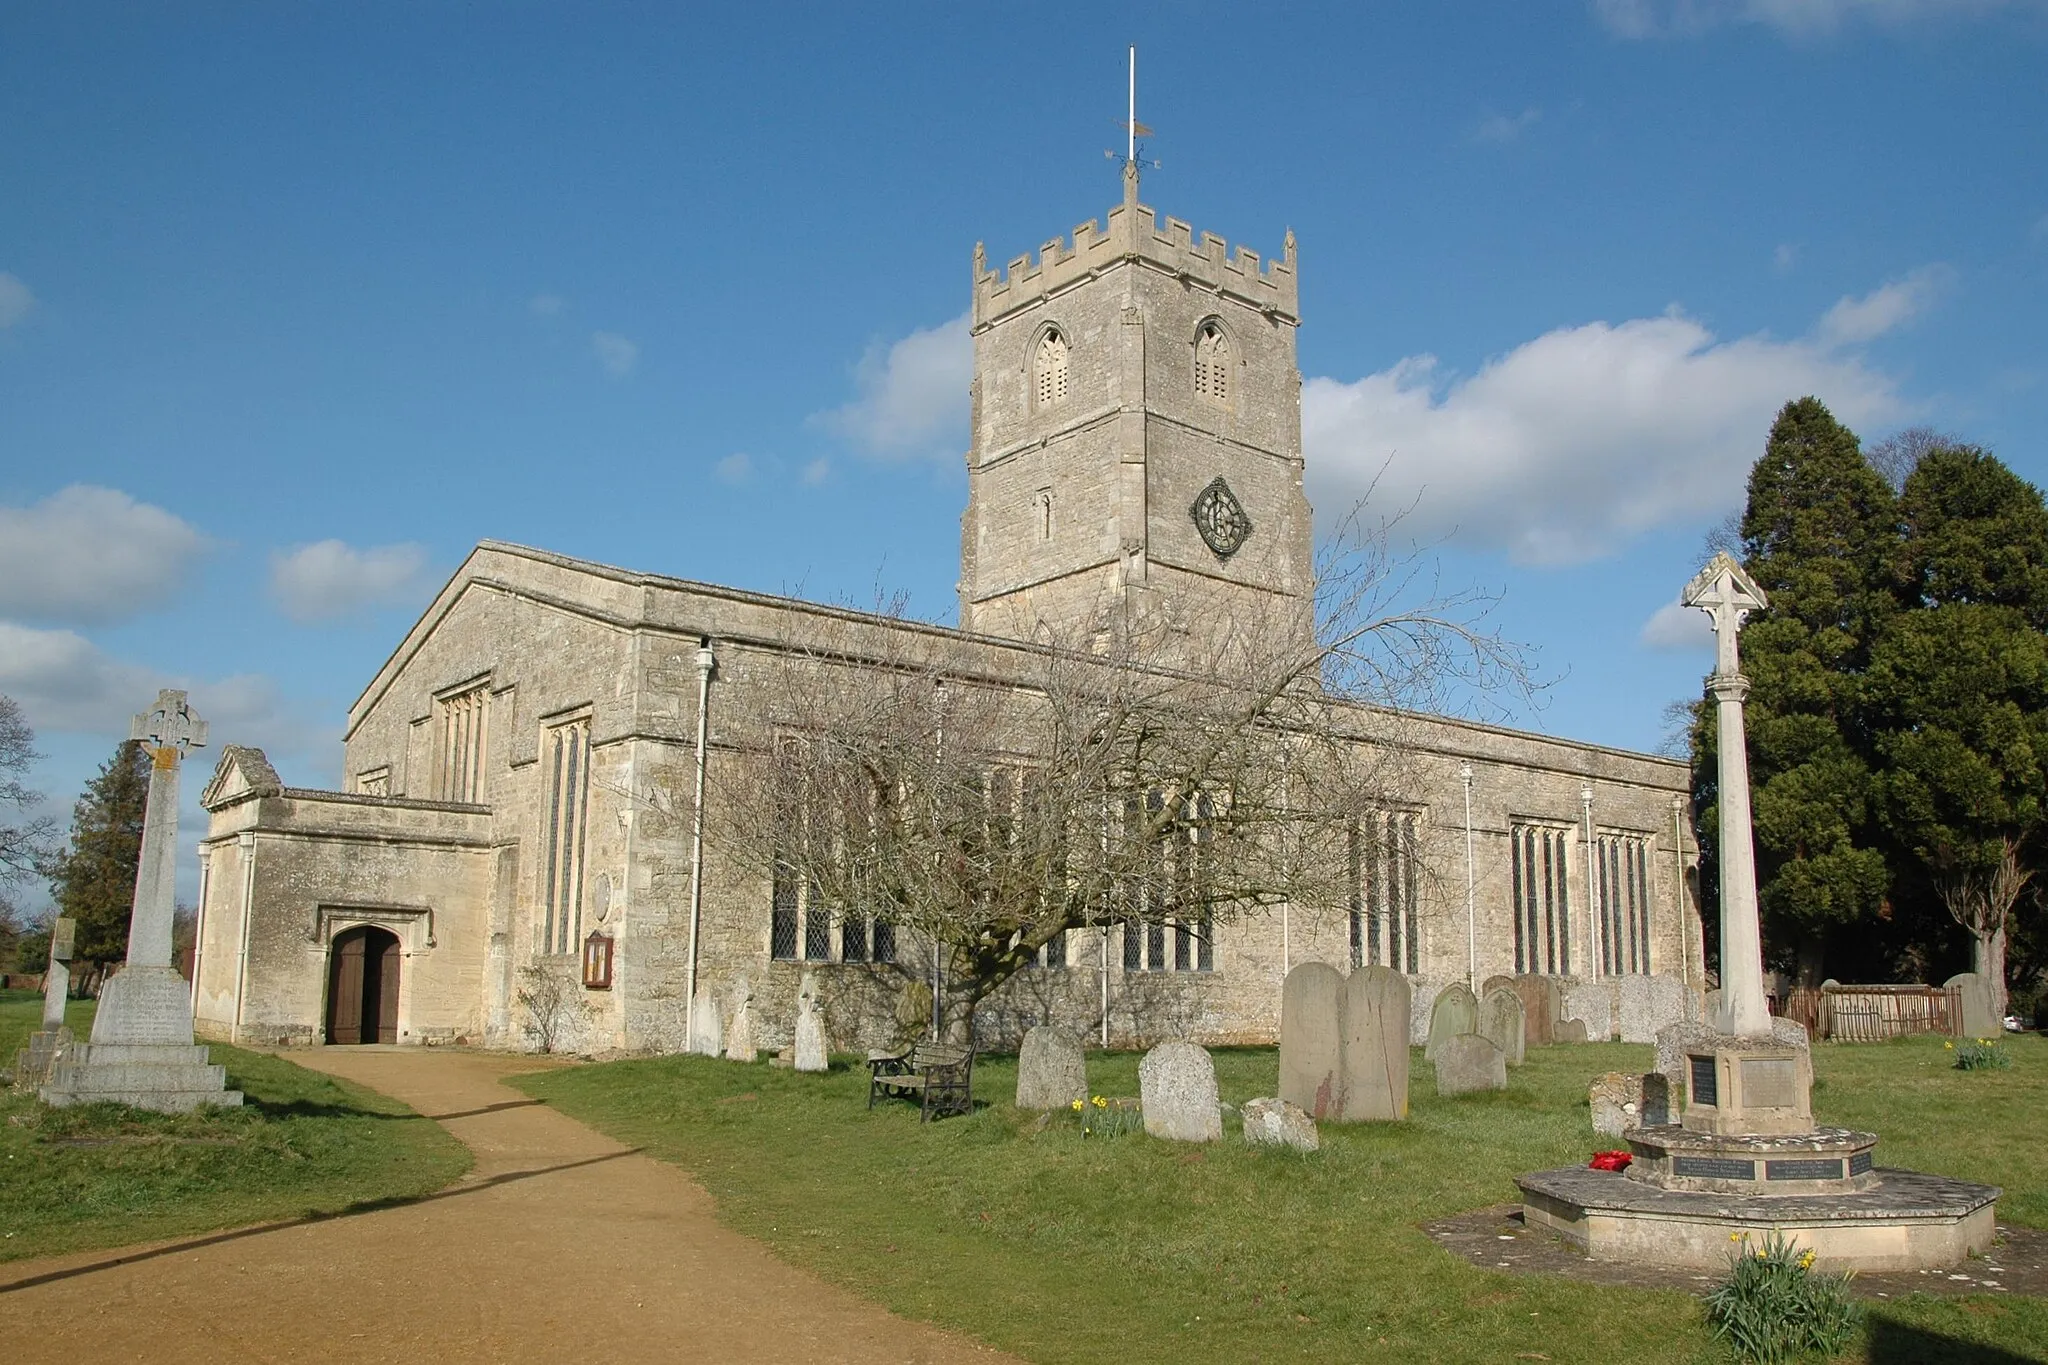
1759,1146
1897,1197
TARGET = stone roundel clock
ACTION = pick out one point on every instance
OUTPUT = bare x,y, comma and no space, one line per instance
1221,519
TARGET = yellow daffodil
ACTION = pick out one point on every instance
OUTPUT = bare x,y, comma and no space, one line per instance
1077,1106
1101,1103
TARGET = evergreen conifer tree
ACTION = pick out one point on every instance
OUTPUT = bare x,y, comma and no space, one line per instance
93,880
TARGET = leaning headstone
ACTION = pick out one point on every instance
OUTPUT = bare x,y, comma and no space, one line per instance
707,1024
739,1034
1469,1063
1374,1045
1541,1008
1311,1052
810,1027
1501,1023
1177,1091
1052,1071
33,1062
142,1051
1452,1013
1276,1123
1979,1019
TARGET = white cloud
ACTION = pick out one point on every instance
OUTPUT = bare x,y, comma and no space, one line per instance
87,555
735,468
1884,309
614,352
331,578
816,471
1678,628
15,300
1507,127
1784,258
913,394
546,305
1799,18
1570,445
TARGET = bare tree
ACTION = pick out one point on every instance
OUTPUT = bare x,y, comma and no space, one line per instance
25,847
554,1005
1177,771
1897,455
1983,905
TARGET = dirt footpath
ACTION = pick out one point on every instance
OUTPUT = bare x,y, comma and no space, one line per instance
559,1245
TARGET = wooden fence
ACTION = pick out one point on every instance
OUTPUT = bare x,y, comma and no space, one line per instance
1871,1014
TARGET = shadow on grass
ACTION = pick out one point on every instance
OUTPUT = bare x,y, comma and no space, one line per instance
355,1210
1896,1343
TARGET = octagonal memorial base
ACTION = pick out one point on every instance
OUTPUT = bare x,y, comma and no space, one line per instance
1903,1221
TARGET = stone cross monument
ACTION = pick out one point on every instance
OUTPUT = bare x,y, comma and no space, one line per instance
1728,595
142,1051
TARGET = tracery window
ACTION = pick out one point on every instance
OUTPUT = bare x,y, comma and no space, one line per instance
1212,364
1170,927
1542,899
1049,369
1622,863
802,922
565,756
465,728
1386,885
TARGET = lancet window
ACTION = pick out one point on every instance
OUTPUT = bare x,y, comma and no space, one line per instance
1622,863
565,760
464,731
1170,927
1386,885
803,923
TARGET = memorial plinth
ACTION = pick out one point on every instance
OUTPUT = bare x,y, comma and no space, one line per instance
142,1051
1745,1158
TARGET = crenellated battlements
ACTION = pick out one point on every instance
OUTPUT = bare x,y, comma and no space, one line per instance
1134,233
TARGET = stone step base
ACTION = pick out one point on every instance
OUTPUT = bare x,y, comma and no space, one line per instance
170,1079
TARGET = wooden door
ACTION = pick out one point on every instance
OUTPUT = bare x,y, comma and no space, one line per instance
345,989
387,992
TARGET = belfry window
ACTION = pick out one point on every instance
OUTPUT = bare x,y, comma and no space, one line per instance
1212,364
1050,369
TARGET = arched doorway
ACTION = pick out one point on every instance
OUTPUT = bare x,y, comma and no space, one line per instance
362,986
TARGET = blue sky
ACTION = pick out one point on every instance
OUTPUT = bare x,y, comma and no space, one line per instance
297,303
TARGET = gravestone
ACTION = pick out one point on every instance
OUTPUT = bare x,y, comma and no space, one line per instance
1979,1018
1569,1031
1616,1100
1656,1106
1177,1091
1645,1004
1495,983
1052,1070
33,1062
809,1054
707,1024
1501,1023
1311,1052
1276,1123
142,1051
1452,1013
1374,1045
739,1034
1591,1002
1541,1008
1468,1063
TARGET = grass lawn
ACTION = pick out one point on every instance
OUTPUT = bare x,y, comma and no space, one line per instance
1124,1249
105,1175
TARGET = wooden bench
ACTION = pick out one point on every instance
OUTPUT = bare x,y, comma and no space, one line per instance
939,1076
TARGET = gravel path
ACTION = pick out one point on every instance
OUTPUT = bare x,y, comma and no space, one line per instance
559,1245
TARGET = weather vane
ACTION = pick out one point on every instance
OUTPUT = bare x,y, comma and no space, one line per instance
1133,130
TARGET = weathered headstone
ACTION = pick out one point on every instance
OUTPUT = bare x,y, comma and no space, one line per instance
1468,1063
1495,983
810,1027
1592,1003
1177,1090
1645,1004
1569,1031
1501,1023
707,1024
1541,1008
142,1051
739,1034
1311,1051
1052,1070
1616,1100
1452,1013
33,1062
1979,1018
1276,1123
1375,1045
1657,1110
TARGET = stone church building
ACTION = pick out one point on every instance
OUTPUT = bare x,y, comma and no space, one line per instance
518,833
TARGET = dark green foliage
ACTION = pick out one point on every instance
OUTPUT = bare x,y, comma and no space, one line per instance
1773,1307
93,880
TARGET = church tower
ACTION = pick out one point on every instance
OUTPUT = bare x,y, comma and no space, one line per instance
1136,436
